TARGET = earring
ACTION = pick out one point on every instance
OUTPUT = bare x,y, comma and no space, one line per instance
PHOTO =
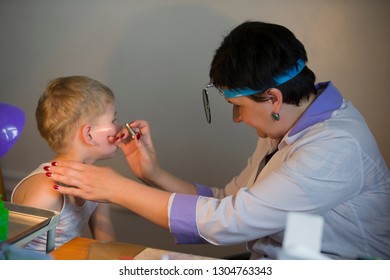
275,116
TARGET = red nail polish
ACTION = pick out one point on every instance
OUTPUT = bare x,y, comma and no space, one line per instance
48,174
138,136
46,168
55,187
54,163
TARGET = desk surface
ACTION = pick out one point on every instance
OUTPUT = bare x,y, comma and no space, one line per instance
76,249
81,248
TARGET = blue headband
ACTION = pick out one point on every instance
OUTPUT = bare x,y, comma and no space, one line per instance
279,79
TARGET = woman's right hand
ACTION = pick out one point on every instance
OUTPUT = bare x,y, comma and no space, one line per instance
140,152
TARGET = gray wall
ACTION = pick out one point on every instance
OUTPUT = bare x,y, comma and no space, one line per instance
155,55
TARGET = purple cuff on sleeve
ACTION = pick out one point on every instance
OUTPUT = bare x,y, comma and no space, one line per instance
183,219
203,190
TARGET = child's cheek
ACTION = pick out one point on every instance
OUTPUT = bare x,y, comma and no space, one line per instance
106,132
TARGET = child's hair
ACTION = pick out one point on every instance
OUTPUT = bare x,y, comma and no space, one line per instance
65,104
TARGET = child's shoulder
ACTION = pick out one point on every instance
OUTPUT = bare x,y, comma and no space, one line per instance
37,191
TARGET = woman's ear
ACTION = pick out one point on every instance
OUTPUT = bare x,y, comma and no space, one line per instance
86,134
276,98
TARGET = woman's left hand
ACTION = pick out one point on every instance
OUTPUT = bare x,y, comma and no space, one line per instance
86,181
102,184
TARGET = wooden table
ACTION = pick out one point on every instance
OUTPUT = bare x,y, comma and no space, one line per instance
81,248
76,249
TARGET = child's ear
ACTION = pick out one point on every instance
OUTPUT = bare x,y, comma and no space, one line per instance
87,134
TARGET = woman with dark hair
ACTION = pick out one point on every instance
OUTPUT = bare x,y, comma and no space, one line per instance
315,155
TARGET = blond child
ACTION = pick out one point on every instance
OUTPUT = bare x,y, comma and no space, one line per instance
76,116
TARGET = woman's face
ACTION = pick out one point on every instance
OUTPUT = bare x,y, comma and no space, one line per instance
255,114
104,127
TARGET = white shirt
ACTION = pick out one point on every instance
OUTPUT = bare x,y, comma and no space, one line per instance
328,164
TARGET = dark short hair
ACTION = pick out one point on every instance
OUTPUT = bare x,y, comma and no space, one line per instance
253,53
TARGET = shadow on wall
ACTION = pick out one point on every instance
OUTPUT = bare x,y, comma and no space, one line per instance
158,69
157,63
168,49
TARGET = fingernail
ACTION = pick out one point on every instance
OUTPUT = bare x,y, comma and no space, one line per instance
138,135
48,174
46,168
54,163
55,187
123,135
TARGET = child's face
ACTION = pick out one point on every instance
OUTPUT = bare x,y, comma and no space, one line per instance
104,127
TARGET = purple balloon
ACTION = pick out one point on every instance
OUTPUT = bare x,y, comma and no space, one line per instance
11,124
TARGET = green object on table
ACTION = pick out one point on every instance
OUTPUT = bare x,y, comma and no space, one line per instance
4,216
